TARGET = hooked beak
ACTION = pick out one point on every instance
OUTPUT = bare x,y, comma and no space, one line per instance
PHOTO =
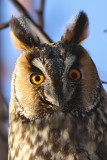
55,97
56,102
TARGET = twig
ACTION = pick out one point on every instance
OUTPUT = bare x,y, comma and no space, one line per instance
3,107
104,82
40,13
4,25
44,37
3,103
3,113
105,31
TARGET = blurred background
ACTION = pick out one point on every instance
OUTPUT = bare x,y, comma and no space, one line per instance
56,15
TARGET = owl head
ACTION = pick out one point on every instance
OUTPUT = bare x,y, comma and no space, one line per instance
55,77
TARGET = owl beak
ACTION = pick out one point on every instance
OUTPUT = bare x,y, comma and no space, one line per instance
55,96
55,100
58,100
57,103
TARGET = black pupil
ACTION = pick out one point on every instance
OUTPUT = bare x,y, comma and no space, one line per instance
37,78
74,75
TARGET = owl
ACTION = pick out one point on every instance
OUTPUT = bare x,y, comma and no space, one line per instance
58,106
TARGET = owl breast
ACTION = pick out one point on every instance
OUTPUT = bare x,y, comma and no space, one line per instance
58,137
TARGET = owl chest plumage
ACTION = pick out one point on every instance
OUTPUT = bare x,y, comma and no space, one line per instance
57,137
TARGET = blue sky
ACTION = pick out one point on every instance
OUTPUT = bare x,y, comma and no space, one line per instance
57,14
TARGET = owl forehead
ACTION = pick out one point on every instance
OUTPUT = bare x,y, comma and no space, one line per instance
54,58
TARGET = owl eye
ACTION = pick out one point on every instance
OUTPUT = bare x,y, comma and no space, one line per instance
37,78
74,74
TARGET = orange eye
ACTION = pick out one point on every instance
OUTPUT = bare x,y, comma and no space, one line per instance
37,78
74,74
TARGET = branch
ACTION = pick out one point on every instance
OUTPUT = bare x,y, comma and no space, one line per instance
39,31
4,25
105,31
40,13
104,82
3,108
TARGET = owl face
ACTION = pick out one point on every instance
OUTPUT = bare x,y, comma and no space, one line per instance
57,77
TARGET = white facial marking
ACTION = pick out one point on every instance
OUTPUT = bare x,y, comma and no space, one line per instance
37,63
69,62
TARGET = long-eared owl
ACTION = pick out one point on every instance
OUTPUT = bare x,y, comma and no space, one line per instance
58,106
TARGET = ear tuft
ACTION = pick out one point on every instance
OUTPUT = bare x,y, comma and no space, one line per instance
21,34
77,30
